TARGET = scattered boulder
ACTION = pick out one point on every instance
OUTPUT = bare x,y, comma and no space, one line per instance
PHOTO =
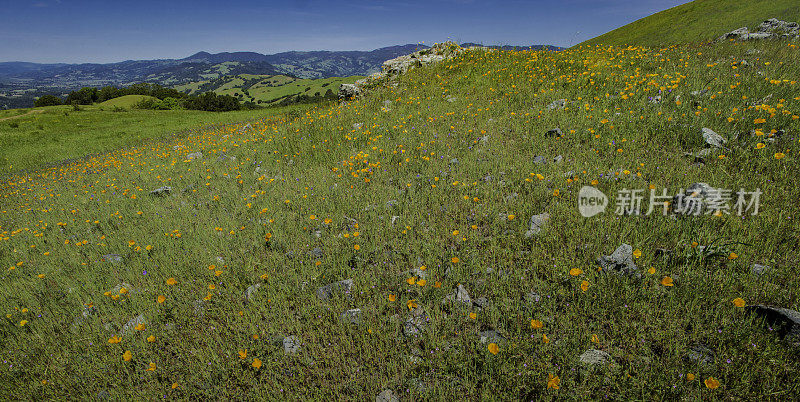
787,321
112,258
250,292
161,191
335,289
539,160
620,262
713,139
557,104
352,316
387,396
399,65
593,357
556,132
194,155
291,344
460,295
492,336
349,91
316,252
537,223
532,297
760,270
771,28
697,199
700,354
416,322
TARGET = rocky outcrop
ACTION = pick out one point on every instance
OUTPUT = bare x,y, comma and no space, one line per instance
771,28
399,65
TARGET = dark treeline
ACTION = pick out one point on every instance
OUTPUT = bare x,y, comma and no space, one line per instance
89,95
163,98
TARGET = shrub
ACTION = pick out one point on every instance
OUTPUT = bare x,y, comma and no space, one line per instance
47,100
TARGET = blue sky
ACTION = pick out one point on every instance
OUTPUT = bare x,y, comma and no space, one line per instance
77,31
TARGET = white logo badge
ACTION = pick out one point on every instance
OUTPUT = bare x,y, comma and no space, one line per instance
591,201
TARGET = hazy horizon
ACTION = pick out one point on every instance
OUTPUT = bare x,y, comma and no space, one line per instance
63,31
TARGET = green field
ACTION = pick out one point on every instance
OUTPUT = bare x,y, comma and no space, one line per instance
337,251
266,89
59,133
699,20
126,101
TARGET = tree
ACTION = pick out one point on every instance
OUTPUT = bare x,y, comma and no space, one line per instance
83,96
47,100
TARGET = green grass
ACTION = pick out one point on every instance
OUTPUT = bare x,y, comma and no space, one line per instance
59,133
127,101
699,20
295,184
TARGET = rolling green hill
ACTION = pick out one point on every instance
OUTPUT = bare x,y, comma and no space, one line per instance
700,20
126,101
267,89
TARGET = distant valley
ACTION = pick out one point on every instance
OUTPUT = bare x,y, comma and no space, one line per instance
21,82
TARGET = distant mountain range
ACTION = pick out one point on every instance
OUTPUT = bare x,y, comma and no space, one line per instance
21,82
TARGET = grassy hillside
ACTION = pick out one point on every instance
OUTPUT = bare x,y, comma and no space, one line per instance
56,133
127,101
422,195
699,20
267,89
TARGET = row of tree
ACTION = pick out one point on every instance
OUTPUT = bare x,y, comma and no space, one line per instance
166,98
208,101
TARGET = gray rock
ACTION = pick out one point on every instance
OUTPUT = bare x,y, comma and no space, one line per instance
357,126
759,269
291,344
492,336
130,326
161,191
352,316
113,258
557,104
454,161
620,262
697,199
250,292
786,320
416,323
556,132
735,34
316,252
532,297
558,159
700,354
713,139
194,155
387,396
698,93
349,91
539,160
199,307
537,223
335,289
481,303
460,295
594,357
